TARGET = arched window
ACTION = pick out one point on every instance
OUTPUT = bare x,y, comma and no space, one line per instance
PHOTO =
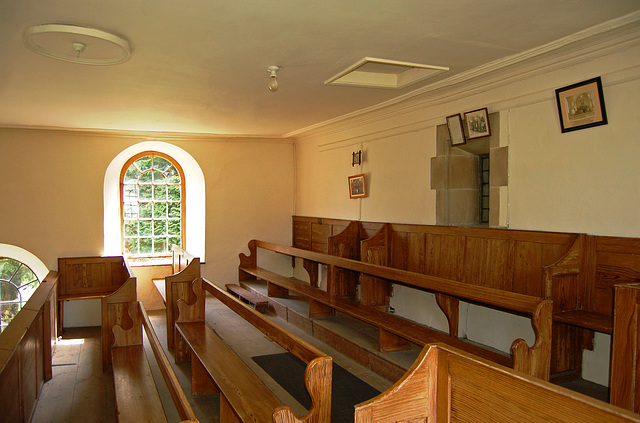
152,205
17,284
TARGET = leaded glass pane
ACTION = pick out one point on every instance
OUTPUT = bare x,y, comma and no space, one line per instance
146,192
159,210
145,245
131,245
132,174
160,227
158,178
8,268
174,241
145,227
131,228
130,210
174,210
174,227
161,164
23,277
173,192
130,192
173,176
160,192
145,210
160,245
144,163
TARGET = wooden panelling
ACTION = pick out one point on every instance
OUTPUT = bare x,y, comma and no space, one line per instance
25,353
10,406
447,385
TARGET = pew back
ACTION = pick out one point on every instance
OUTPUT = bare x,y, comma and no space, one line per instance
448,385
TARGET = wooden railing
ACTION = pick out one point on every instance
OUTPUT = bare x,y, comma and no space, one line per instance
26,349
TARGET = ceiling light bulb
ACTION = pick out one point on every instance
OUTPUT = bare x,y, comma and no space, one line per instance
273,84
273,78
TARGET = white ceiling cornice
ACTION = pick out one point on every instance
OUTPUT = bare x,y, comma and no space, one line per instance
597,41
150,135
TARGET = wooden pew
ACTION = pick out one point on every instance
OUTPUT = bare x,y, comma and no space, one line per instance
186,268
137,398
532,360
448,385
84,278
217,369
625,374
26,349
576,271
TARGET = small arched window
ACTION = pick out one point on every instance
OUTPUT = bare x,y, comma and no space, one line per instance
17,284
152,205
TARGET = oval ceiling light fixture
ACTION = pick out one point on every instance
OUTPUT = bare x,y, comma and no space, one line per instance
77,44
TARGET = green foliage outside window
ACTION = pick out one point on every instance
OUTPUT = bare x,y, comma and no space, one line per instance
17,284
152,206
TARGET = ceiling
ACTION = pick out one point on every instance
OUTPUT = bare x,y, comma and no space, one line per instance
200,66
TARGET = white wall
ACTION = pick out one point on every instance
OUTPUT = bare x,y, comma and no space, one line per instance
52,186
583,181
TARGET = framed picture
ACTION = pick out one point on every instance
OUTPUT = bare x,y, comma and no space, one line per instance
357,186
581,105
477,123
456,130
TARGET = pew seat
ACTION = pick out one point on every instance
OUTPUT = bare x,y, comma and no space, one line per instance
216,368
137,398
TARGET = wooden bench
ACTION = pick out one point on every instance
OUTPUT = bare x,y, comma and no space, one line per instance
448,385
258,302
577,272
625,392
217,369
186,268
395,331
83,278
137,398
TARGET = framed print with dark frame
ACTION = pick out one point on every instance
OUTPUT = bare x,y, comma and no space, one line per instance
581,105
357,186
477,123
456,129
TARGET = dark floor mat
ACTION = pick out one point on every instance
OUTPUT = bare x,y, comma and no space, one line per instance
347,389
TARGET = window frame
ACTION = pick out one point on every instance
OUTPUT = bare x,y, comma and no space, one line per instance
21,301
183,203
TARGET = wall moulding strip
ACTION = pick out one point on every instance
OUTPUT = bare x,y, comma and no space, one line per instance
601,40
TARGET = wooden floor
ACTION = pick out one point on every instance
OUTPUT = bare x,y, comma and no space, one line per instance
79,391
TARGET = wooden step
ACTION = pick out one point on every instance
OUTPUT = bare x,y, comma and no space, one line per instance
258,302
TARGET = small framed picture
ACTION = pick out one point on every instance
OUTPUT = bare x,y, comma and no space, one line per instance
357,186
581,105
477,123
456,129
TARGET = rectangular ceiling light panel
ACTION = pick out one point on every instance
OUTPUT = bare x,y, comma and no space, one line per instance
383,73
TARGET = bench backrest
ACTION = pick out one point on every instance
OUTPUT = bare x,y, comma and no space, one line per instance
516,257
448,385
176,287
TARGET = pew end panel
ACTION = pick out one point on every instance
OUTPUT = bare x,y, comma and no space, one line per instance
176,287
445,384
116,312
625,392
343,282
